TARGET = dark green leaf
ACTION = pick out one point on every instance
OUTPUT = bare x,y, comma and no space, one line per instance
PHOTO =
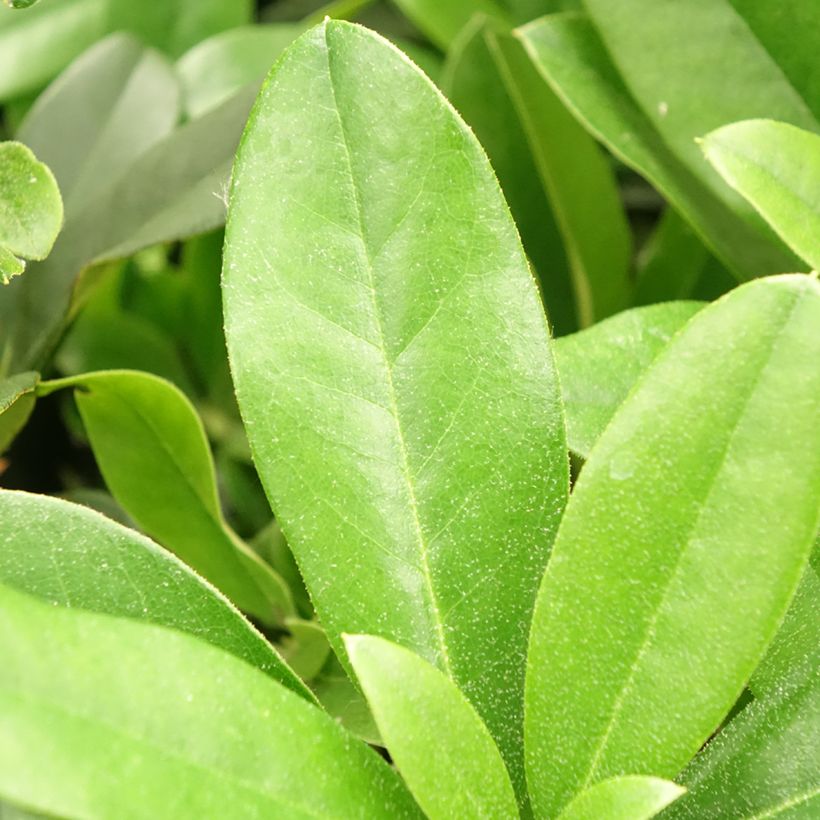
377,313
681,547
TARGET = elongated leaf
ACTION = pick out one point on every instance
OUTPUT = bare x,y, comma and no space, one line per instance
472,82
377,313
153,454
436,739
31,210
218,67
777,168
600,365
681,547
71,556
568,50
17,399
99,714
630,797
442,20
37,45
764,763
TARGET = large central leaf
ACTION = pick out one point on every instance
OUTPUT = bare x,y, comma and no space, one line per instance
392,364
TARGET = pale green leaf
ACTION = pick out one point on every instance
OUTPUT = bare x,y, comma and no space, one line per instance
218,67
378,309
569,51
437,741
17,398
31,210
152,452
600,365
681,547
777,168
442,20
629,797
71,556
101,716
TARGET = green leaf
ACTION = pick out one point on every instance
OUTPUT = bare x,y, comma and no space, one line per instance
218,67
17,398
472,82
152,452
569,52
574,175
629,797
71,556
764,763
31,210
37,45
101,714
600,365
442,20
377,313
777,168
307,648
681,547
439,744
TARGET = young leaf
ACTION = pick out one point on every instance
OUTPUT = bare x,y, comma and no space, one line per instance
101,714
218,67
777,168
153,454
681,547
600,365
569,51
377,312
764,763
439,744
629,797
31,210
17,398
71,556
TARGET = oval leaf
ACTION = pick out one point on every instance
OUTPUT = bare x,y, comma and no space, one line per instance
152,451
632,797
681,547
378,309
99,714
72,556
777,168
436,739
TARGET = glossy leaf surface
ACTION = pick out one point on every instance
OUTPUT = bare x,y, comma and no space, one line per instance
600,365
141,426
777,168
439,744
100,713
568,49
31,210
71,556
764,763
17,400
630,797
377,312
681,547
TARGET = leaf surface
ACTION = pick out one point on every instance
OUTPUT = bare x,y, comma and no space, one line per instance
570,53
629,797
152,451
681,547
99,713
71,556
600,365
377,313
439,744
31,209
17,398
777,168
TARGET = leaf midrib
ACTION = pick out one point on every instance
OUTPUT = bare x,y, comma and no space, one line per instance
388,371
